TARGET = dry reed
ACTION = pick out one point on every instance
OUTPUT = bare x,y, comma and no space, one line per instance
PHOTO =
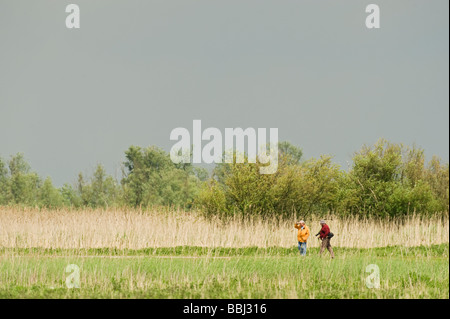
134,229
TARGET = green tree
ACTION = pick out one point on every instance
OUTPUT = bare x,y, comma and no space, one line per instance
4,186
318,185
289,153
413,165
102,191
24,184
151,178
49,196
391,180
437,176
71,197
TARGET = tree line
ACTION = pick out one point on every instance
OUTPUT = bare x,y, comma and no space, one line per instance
385,179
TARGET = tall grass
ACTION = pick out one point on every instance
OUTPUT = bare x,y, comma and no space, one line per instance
137,229
236,277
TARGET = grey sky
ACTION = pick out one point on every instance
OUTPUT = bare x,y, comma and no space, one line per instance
70,99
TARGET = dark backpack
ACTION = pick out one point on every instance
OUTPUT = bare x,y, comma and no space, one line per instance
330,235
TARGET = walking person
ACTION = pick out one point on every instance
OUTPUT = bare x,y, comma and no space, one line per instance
325,237
302,236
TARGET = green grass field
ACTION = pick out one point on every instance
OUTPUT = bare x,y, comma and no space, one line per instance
196,272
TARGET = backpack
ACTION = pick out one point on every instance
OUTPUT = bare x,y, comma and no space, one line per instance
330,235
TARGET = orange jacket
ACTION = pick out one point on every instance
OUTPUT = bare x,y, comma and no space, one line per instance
303,234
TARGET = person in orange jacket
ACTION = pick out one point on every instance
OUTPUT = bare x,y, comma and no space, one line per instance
302,236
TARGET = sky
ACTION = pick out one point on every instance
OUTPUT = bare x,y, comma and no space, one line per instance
135,70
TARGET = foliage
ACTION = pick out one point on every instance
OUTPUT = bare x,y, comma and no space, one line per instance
385,179
151,178
392,180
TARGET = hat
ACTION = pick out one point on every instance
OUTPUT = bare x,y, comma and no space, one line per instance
322,222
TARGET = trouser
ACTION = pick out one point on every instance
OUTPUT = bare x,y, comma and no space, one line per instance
302,248
326,244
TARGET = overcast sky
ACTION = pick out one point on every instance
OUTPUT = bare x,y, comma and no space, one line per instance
135,70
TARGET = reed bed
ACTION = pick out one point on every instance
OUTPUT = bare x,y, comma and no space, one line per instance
137,229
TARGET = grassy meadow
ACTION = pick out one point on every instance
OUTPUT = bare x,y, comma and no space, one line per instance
177,254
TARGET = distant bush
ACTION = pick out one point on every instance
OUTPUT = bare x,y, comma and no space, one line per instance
151,178
385,179
392,180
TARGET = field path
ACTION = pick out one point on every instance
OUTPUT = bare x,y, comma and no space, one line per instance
117,257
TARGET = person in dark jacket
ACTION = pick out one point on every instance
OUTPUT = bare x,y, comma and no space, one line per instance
325,239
